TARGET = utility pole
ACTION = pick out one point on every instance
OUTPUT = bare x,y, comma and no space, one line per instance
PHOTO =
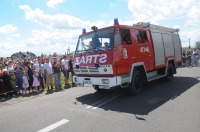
68,51
189,44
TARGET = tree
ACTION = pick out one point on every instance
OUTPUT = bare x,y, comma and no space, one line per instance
197,45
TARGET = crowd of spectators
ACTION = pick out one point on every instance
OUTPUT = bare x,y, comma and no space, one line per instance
190,57
21,76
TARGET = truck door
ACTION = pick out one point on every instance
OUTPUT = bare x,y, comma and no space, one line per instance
125,51
144,48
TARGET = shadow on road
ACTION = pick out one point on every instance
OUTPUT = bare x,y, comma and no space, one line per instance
154,95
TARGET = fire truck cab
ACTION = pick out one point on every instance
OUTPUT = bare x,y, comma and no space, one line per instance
126,56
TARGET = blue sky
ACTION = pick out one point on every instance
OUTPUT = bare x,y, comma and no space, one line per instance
48,26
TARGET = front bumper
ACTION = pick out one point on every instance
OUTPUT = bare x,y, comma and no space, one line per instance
102,82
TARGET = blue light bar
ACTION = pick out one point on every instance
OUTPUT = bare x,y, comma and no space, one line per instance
77,66
83,30
116,22
97,65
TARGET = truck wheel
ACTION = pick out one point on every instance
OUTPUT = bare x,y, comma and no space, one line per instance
96,87
170,72
135,86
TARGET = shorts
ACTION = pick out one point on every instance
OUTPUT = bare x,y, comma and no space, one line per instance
49,78
66,73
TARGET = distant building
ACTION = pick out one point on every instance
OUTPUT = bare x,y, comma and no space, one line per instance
23,55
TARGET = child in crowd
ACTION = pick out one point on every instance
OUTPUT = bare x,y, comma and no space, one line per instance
25,84
36,82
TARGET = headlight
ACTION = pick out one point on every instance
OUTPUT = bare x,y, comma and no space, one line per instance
105,81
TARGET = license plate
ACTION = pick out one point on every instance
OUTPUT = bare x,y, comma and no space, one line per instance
87,82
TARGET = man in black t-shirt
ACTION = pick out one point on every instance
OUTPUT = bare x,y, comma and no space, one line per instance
71,68
57,74
71,65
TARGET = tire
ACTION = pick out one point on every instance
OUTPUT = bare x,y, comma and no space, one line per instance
170,73
135,86
96,87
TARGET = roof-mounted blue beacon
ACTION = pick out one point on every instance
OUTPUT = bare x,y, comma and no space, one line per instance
116,22
83,30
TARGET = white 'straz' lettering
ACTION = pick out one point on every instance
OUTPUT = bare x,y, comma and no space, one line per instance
91,59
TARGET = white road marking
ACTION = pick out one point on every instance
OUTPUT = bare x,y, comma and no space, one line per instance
90,106
105,102
102,101
53,126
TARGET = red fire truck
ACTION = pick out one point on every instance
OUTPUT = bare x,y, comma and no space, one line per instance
126,56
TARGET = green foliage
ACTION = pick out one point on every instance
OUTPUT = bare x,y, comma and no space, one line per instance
197,45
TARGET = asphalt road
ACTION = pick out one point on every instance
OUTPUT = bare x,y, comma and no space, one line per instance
161,107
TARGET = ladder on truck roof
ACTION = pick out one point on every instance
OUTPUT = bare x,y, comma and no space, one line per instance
157,27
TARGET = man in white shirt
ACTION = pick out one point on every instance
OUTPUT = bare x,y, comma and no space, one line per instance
49,73
65,67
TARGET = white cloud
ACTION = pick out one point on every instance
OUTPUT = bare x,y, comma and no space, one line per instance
194,16
6,29
52,41
193,35
57,21
8,47
41,41
156,10
185,11
53,3
8,36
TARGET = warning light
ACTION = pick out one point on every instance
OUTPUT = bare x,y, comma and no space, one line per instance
77,66
97,65
116,22
83,30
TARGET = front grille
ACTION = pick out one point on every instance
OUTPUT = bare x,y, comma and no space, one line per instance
86,70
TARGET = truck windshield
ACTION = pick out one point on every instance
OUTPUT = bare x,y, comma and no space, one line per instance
96,41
